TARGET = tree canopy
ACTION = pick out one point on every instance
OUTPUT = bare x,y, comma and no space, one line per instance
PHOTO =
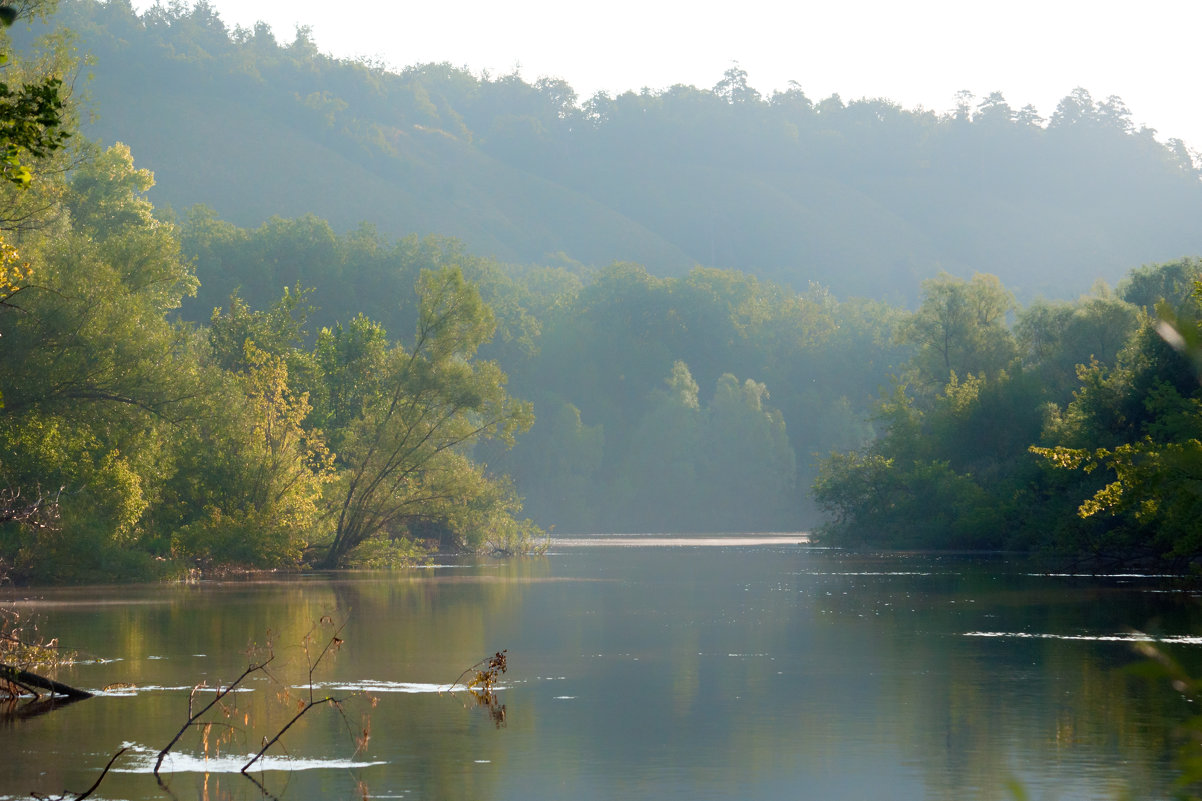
284,378
790,188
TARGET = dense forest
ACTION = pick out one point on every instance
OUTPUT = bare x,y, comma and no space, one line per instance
1074,430
262,370
786,187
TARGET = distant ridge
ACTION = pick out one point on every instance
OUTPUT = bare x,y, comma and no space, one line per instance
866,198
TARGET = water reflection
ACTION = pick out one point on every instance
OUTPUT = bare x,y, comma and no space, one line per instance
714,672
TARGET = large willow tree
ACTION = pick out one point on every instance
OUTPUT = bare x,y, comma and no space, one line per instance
419,411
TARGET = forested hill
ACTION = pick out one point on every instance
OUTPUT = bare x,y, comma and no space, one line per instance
864,197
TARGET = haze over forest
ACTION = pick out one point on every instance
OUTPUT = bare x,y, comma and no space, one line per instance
671,310
788,187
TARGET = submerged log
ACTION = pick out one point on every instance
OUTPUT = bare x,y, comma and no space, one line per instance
33,682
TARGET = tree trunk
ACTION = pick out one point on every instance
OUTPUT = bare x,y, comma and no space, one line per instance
24,678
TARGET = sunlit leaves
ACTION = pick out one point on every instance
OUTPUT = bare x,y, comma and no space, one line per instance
1146,414
14,272
31,118
432,399
90,362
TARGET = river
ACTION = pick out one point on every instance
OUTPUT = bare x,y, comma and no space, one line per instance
678,669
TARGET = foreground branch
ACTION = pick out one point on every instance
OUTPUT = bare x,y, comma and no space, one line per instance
309,705
103,773
332,645
196,716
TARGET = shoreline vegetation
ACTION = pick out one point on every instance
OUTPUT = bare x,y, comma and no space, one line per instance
180,394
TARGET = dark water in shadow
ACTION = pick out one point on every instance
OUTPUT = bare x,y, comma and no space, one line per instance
723,672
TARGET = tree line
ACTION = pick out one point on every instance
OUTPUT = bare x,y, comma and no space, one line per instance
665,404
133,441
717,402
286,426
1074,430
788,187
180,391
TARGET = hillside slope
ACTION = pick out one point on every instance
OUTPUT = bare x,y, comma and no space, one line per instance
863,197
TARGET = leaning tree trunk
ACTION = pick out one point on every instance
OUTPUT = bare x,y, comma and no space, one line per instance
34,682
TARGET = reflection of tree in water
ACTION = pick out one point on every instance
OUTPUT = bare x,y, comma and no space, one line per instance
953,704
428,623
488,699
425,625
15,708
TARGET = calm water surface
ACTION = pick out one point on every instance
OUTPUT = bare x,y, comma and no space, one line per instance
768,671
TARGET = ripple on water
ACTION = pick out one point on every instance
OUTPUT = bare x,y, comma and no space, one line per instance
119,691
374,686
143,759
1134,636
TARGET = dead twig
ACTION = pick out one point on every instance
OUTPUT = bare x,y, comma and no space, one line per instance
488,670
193,717
332,645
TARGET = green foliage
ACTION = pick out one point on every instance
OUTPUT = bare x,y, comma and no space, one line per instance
1119,446
378,553
748,462
33,116
955,468
920,505
133,444
93,376
591,346
937,478
1053,338
1137,429
660,477
278,331
30,122
432,400
563,475
1152,284
267,505
136,445
724,466
960,328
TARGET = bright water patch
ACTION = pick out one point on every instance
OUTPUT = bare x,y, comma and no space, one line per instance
868,573
179,762
374,686
119,692
1127,637
682,541
1108,575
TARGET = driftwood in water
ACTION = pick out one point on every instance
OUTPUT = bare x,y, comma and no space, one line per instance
32,683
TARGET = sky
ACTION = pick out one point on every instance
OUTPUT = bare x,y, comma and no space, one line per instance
916,53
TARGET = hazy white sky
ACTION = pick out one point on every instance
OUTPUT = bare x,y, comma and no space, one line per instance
916,53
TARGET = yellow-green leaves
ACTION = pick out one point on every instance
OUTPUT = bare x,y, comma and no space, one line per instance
425,405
